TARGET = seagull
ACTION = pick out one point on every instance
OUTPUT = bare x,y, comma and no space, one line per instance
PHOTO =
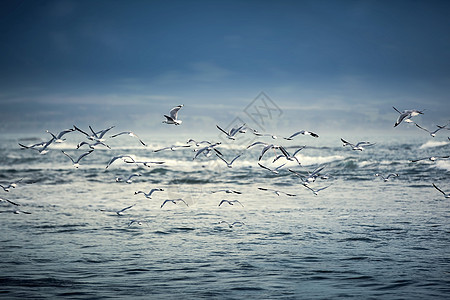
304,132
149,194
387,177
198,143
123,157
276,192
272,146
312,176
172,119
433,133
446,195
128,180
9,201
274,171
406,114
257,133
145,163
130,133
431,158
227,191
43,146
175,201
256,143
233,131
359,146
315,192
120,212
95,136
92,145
172,148
13,185
208,149
232,224
76,163
18,211
288,156
58,138
229,164
230,202
139,222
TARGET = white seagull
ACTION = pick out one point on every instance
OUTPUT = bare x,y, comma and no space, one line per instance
446,195
229,164
76,163
315,192
130,133
431,158
387,177
207,150
276,192
232,132
120,212
92,145
58,138
232,224
274,171
433,133
304,132
172,148
406,114
40,147
95,136
149,194
125,158
129,178
230,202
13,185
227,191
359,146
174,201
173,118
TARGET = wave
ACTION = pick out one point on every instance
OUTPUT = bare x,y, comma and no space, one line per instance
432,144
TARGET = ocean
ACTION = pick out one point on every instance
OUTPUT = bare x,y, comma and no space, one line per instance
361,237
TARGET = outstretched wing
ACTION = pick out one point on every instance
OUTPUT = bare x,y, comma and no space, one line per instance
174,111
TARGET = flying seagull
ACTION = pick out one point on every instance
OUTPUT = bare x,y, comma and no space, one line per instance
431,158
275,191
13,185
274,171
433,133
149,194
304,132
232,132
387,177
406,114
227,191
58,138
130,133
229,164
92,145
172,148
128,180
125,158
359,146
120,212
230,202
173,118
174,201
232,224
76,163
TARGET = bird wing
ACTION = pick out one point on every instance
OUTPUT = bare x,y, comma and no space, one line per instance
174,112
68,156
84,154
438,189
218,127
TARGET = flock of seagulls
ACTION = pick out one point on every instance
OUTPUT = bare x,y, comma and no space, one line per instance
96,139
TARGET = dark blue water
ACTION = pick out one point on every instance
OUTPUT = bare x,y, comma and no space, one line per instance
360,238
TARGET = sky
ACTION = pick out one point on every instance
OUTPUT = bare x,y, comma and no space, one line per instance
325,66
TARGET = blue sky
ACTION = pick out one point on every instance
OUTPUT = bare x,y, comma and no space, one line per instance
328,65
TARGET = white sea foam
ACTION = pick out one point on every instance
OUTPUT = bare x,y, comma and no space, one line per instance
431,144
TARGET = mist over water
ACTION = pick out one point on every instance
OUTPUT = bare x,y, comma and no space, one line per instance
361,237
